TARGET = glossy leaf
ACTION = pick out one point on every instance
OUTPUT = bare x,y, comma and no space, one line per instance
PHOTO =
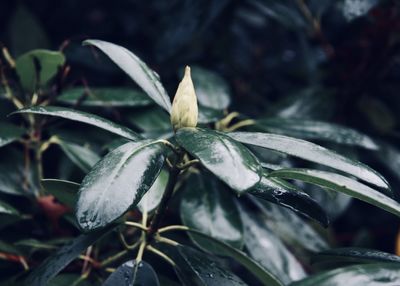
342,184
208,206
59,260
64,191
9,133
104,97
152,198
208,115
150,119
211,89
267,249
230,161
357,275
353,255
118,182
37,67
287,195
198,268
146,78
266,277
82,156
353,9
292,229
311,152
8,209
319,130
84,117
133,274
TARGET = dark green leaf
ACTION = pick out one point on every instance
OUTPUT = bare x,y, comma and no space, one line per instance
68,279
353,9
208,115
353,255
146,78
311,152
252,266
230,161
356,275
319,130
59,260
9,133
7,209
152,198
211,89
84,117
208,206
118,182
267,249
285,194
104,96
9,248
64,191
342,184
150,119
82,156
292,229
133,274
38,67
201,269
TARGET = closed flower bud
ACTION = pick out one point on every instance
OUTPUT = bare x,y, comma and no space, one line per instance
184,111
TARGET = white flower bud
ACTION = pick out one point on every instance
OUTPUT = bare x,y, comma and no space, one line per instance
184,111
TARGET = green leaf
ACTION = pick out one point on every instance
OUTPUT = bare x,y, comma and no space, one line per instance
211,89
118,182
38,67
230,161
84,117
208,206
131,273
56,262
152,198
319,130
82,156
292,229
9,133
357,275
268,250
198,268
341,184
311,152
68,279
8,209
352,255
64,191
9,248
104,97
287,195
146,78
353,9
252,266
150,119
209,115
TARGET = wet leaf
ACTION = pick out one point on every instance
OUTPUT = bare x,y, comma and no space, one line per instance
353,9
60,259
152,198
9,133
202,269
211,89
7,209
358,275
146,78
64,191
319,130
311,152
118,182
228,160
133,274
287,195
36,68
267,249
341,184
84,117
104,97
208,206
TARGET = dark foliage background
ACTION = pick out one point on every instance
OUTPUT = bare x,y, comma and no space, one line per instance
335,61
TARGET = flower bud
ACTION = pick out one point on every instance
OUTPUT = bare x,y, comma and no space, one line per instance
184,111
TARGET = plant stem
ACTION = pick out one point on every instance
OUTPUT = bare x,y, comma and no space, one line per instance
161,254
156,221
